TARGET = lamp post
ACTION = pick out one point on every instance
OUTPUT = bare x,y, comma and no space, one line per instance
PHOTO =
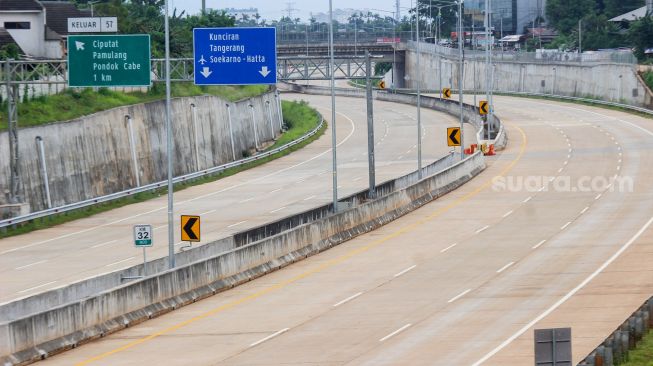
333,112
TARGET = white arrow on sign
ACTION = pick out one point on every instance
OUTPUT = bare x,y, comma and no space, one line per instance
79,45
264,71
206,72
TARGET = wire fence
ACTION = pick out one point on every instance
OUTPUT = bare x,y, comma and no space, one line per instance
539,57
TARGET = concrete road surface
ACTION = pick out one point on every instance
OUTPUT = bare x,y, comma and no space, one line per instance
55,257
461,281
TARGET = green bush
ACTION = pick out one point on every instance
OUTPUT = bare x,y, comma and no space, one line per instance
648,79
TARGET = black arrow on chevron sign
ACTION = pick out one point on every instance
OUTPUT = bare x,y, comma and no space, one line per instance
453,138
188,228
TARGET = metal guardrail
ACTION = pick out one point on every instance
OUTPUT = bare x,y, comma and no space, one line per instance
157,185
576,99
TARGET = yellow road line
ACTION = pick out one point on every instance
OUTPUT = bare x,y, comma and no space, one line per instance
319,268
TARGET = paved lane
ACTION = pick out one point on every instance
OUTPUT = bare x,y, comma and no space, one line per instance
54,257
454,281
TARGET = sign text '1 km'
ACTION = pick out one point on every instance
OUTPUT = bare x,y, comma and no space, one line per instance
235,56
109,60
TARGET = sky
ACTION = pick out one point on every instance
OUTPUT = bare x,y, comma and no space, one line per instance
271,9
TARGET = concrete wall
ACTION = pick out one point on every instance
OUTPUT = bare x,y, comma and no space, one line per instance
60,328
606,81
92,156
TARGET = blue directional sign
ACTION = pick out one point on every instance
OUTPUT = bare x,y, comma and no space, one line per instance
235,56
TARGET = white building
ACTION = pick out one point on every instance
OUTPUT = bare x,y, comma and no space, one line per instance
39,28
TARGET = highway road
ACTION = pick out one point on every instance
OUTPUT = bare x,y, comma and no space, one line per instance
54,257
461,281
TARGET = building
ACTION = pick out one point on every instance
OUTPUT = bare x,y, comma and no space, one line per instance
509,16
635,14
238,13
39,28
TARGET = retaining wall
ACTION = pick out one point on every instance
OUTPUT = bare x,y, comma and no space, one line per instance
605,81
92,156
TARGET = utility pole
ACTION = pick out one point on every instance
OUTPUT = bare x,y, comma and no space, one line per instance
580,36
290,9
203,7
397,15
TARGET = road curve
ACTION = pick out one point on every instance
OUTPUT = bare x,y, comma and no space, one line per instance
55,257
461,281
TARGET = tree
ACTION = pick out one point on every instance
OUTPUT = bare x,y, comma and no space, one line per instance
640,35
598,33
563,15
613,8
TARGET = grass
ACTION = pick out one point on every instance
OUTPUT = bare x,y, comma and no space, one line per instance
643,354
298,116
648,79
74,103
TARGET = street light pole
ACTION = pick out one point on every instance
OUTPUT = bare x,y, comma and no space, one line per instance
171,233
460,75
419,101
333,111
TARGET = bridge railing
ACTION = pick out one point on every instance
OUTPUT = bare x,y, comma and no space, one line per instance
348,37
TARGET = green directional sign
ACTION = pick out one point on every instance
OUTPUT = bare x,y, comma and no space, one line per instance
109,60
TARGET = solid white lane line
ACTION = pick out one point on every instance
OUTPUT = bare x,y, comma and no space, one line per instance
269,337
308,198
247,200
507,214
395,332
528,199
598,196
584,210
541,189
108,242
347,299
238,223
482,229
562,300
565,225
505,267
449,247
118,262
207,212
278,209
459,295
35,287
538,244
30,265
406,270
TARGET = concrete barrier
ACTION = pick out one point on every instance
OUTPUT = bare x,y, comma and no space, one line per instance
614,350
406,96
55,329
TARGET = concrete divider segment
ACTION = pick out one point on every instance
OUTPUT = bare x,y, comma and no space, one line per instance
56,329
